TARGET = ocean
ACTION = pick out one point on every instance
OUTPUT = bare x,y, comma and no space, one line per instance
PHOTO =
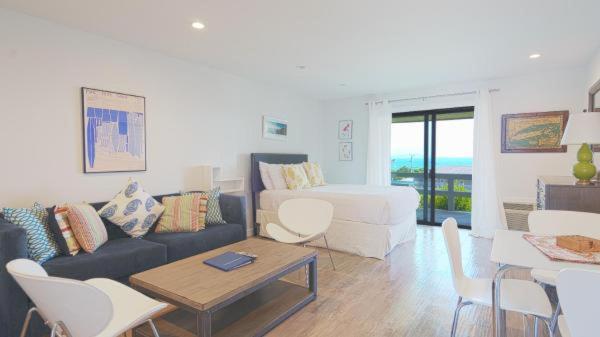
417,162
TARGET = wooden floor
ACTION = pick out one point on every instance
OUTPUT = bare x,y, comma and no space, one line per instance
408,294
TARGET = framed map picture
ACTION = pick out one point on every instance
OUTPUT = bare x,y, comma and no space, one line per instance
114,131
345,129
345,151
534,132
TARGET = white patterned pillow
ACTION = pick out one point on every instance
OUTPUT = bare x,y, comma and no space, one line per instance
41,246
132,209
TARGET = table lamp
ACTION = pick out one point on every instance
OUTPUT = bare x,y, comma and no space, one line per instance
583,129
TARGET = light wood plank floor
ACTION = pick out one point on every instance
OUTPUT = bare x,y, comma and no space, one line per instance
408,294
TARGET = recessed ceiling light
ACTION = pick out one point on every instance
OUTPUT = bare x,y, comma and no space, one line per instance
535,56
198,25
301,67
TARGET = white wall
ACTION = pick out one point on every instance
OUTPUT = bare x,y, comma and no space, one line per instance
195,115
558,90
594,69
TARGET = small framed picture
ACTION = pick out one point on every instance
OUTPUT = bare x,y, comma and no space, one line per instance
345,129
275,128
345,151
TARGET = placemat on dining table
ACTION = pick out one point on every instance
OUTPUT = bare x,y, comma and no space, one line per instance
547,245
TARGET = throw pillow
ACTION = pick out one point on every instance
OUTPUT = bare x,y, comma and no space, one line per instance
295,177
213,207
132,209
41,246
277,177
314,173
87,226
58,223
264,175
185,213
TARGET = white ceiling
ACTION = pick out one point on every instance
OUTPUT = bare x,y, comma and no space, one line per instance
372,46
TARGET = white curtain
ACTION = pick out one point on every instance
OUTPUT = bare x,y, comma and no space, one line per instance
379,148
486,215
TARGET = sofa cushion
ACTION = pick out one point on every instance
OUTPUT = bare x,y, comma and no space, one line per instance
182,245
115,259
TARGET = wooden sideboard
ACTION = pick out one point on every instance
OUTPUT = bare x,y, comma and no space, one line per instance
563,194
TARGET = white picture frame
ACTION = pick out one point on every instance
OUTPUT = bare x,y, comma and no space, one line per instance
345,151
345,129
275,128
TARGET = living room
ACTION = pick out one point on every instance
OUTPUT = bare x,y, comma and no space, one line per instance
225,95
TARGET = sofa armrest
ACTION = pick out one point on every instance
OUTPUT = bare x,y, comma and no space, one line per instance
233,209
14,303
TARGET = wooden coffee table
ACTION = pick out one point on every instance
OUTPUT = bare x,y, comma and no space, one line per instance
249,301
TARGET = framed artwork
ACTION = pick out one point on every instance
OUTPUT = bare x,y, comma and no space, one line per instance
345,129
345,151
534,132
274,128
114,131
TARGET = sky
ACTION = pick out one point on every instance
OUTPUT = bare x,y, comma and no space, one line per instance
454,138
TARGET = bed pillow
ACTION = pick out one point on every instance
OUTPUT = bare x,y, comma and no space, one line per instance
132,209
264,175
185,213
41,246
58,223
295,177
314,174
277,176
87,226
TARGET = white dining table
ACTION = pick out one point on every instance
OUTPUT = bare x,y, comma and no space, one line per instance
510,250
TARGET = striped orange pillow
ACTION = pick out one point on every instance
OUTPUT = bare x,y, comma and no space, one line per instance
185,213
87,226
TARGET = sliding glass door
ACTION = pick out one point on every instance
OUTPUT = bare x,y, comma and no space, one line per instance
432,152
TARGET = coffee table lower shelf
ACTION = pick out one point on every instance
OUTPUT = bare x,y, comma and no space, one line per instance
252,315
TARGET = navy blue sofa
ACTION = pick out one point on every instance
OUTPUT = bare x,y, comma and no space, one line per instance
117,259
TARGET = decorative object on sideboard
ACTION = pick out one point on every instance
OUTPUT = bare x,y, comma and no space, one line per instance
114,131
345,151
345,129
275,128
534,132
208,177
583,129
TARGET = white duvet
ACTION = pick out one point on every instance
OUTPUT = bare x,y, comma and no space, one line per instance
380,205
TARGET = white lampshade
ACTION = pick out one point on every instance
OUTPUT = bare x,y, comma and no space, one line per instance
582,128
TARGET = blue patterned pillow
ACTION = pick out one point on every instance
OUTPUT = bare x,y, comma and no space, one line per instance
132,209
41,246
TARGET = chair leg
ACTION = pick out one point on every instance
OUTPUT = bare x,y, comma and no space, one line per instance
548,324
54,331
329,251
554,320
526,327
459,306
27,320
536,329
154,331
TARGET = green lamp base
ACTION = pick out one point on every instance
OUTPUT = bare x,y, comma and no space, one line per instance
584,170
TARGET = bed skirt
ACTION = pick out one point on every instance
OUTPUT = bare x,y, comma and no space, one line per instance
360,238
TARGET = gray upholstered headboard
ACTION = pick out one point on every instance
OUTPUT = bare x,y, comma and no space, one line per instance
256,183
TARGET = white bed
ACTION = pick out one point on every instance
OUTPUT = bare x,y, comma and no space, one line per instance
368,220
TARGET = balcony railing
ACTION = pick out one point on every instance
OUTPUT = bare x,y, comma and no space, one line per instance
453,188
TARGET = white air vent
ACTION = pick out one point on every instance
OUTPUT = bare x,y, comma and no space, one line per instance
516,214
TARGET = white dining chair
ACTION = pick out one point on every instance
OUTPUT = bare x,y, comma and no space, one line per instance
579,293
302,220
556,222
525,297
93,308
